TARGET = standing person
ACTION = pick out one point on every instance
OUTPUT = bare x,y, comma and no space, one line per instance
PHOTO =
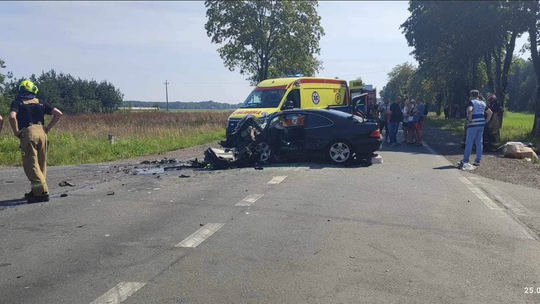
405,124
446,112
28,123
1,123
456,110
494,134
383,109
396,116
418,119
476,119
411,139
370,109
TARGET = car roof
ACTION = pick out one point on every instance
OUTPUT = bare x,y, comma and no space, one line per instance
317,111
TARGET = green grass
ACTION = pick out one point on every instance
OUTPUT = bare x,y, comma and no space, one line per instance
516,127
80,139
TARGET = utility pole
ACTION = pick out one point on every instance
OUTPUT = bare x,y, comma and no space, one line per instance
167,93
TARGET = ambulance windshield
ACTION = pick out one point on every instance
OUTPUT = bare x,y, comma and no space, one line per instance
261,98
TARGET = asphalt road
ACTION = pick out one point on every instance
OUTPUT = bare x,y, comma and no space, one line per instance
410,230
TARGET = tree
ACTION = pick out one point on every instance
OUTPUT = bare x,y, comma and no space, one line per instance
70,94
453,38
533,24
399,82
266,38
4,101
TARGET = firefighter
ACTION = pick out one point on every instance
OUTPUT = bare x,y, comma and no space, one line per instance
28,123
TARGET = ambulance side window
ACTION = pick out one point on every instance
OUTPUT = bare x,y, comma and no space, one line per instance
294,97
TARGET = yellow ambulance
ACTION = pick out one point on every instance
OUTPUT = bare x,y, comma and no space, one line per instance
274,95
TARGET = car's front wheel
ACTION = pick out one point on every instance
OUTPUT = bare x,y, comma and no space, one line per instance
264,151
339,152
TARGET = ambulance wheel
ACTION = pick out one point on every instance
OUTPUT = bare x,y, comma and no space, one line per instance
339,151
264,151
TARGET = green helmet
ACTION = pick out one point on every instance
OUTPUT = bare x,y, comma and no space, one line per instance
27,85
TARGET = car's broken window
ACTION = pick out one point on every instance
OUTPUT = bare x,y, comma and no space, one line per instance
293,120
263,98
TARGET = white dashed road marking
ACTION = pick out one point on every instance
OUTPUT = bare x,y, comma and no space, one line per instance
248,201
200,235
277,180
119,293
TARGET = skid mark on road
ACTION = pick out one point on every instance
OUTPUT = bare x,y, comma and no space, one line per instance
200,235
119,293
277,180
248,201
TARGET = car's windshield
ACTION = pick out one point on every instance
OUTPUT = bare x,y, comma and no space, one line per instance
264,99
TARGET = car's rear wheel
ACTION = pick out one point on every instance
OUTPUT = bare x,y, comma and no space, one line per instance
264,151
339,152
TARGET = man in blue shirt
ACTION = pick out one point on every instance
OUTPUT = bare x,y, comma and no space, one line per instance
476,120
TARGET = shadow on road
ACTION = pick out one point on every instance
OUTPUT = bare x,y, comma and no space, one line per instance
445,167
13,202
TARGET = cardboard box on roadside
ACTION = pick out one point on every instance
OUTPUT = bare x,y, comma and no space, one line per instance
518,151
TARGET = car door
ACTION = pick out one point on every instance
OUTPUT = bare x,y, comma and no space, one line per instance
318,131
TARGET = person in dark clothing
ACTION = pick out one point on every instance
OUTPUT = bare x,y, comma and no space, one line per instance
494,125
456,113
446,112
371,110
396,116
383,109
28,123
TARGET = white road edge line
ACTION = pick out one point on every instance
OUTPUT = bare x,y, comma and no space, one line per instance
481,195
248,201
277,180
509,202
200,235
119,293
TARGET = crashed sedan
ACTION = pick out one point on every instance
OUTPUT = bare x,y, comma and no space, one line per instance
338,136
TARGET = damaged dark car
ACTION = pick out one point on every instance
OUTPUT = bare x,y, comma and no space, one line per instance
293,134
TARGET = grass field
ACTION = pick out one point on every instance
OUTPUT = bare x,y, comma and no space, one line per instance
79,139
516,126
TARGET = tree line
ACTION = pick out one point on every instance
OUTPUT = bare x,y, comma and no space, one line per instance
178,105
465,45
64,91
404,81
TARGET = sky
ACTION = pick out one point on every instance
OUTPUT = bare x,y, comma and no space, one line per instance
138,45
